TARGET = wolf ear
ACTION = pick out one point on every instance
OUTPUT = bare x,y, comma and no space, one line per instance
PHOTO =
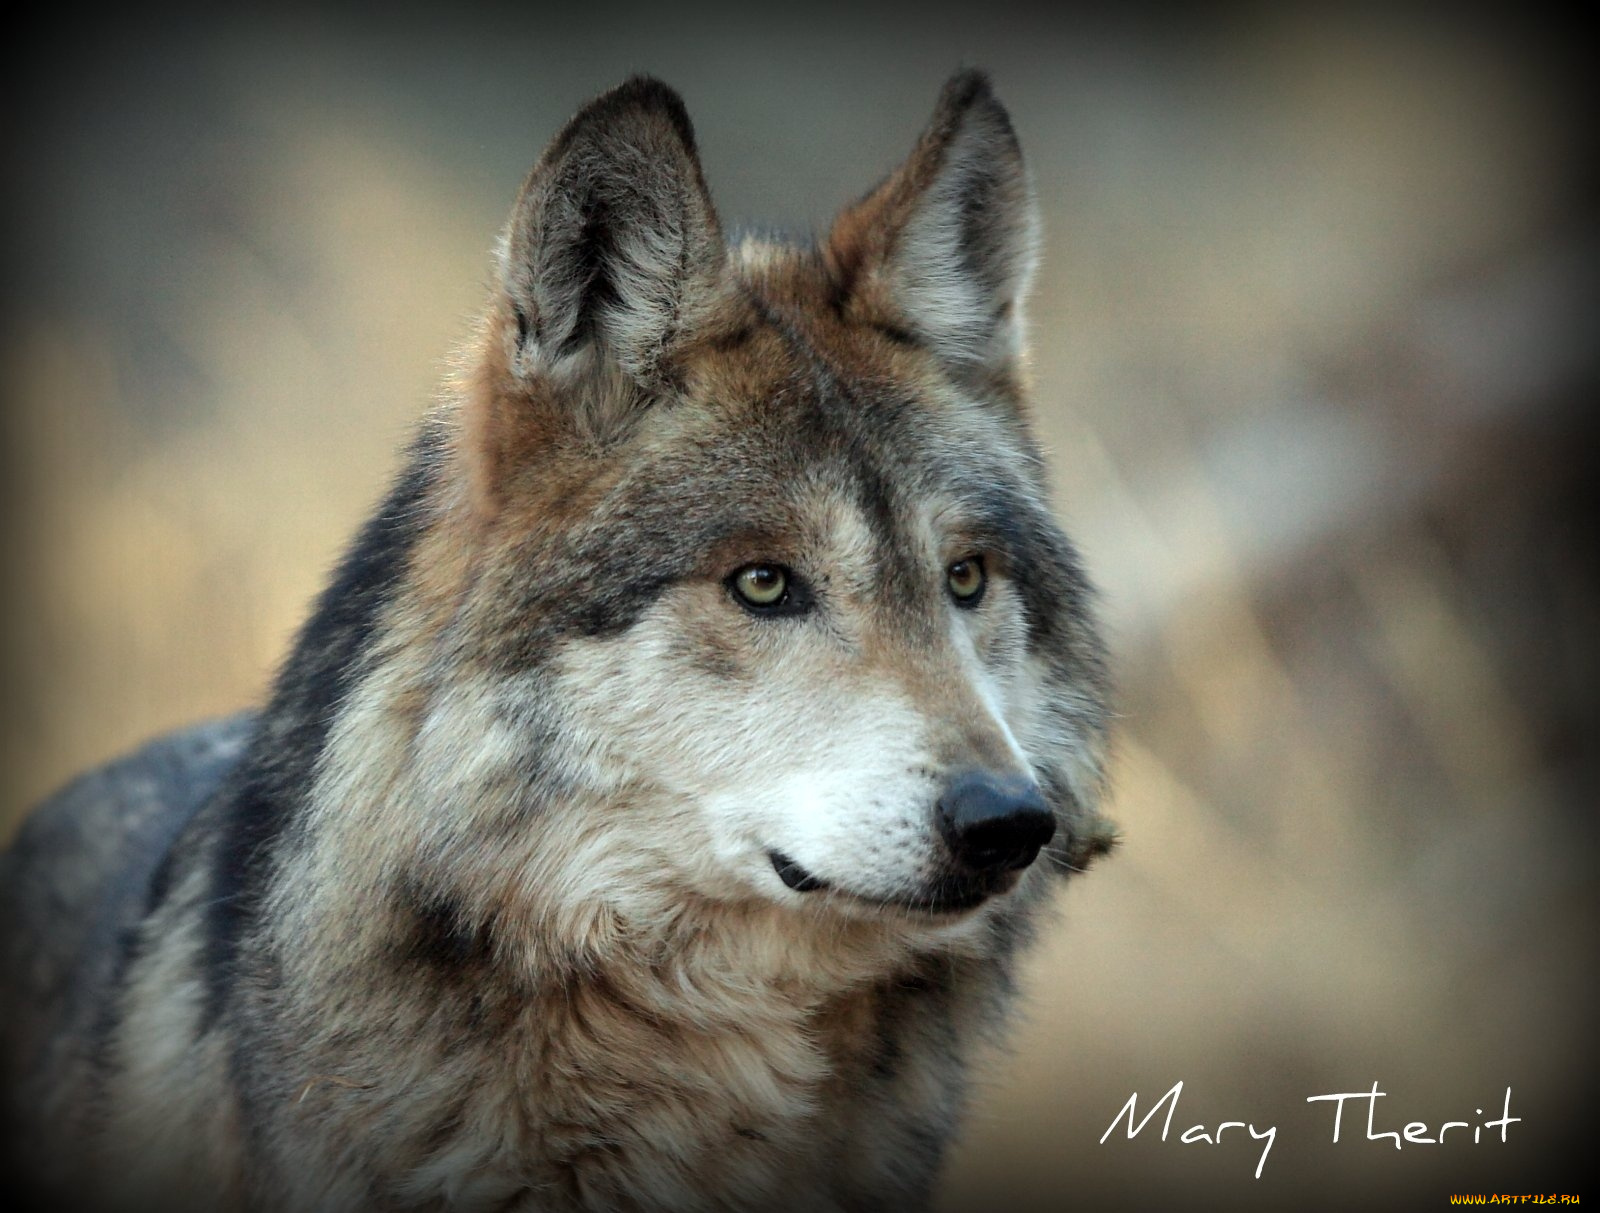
944,249
614,252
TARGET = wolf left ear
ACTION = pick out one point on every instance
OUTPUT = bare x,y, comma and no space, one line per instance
944,248
614,253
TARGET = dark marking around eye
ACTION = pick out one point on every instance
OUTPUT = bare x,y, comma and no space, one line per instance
766,589
967,580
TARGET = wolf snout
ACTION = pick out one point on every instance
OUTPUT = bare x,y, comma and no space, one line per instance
994,823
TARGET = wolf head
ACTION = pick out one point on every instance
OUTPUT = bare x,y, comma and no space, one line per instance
739,582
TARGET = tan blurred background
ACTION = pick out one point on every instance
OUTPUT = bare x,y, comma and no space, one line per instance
1314,369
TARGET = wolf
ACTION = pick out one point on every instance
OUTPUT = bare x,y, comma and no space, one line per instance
650,813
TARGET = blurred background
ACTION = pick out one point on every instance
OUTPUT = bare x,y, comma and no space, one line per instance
1314,366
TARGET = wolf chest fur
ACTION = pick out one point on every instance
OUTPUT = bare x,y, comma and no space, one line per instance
651,809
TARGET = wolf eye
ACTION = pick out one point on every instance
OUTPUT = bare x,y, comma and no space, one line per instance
966,580
763,587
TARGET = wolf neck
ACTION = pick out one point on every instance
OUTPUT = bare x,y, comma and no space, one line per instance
645,1057
632,1087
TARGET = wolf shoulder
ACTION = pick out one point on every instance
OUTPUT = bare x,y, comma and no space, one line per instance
76,878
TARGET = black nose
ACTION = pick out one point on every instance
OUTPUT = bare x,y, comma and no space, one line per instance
994,823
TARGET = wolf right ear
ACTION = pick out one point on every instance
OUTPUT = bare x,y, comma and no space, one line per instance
614,252
943,250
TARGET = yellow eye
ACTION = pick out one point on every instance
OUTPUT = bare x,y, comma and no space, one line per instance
761,585
966,580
